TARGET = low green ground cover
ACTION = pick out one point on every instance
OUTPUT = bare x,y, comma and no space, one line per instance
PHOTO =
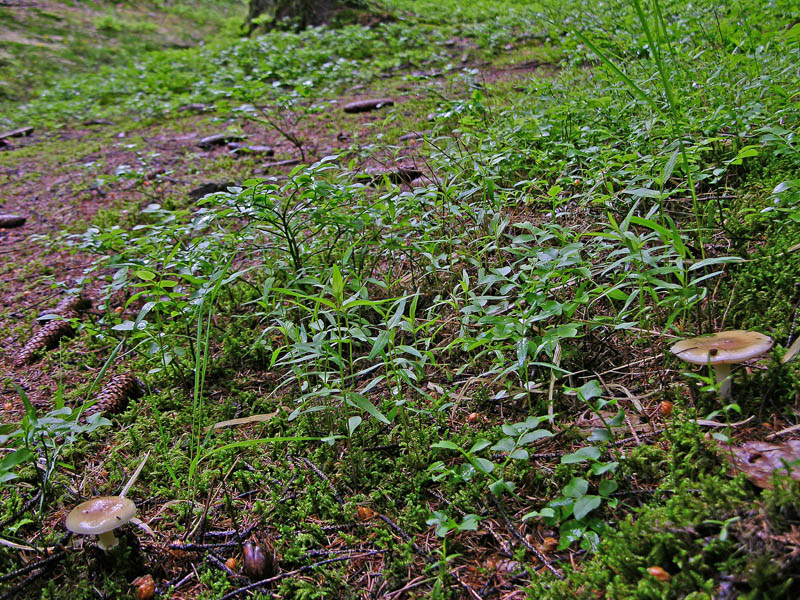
41,44
480,355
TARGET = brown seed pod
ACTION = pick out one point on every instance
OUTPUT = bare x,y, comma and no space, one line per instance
659,573
46,338
258,563
114,396
665,408
145,587
549,544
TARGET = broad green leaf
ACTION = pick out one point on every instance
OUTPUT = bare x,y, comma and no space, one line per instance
17,457
500,486
665,233
618,420
643,193
533,436
716,261
397,317
608,486
600,435
669,167
410,350
447,445
124,326
367,406
748,151
143,312
469,523
505,445
352,424
585,505
145,275
590,389
576,488
786,185
337,285
601,468
295,294
379,344
545,513
479,445
522,351
582,455
483,465
570,531
590,541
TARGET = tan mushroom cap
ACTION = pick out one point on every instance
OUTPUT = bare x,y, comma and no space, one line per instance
100,515
725,347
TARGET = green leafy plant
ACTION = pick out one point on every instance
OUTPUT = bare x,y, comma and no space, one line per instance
572,510
42,439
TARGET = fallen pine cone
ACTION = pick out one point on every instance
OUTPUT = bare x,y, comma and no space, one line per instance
46,338
72,304
8,221
367,105
114,396
68,304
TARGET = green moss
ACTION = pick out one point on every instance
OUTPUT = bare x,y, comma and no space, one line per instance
649,464
764,290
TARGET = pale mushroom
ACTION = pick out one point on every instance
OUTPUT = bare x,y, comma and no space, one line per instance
101,516
721,350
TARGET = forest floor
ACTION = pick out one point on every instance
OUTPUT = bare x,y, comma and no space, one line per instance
416,351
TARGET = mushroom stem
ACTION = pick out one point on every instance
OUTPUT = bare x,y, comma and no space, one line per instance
722,372
107,540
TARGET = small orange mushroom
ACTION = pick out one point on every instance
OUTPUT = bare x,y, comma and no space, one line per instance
659,573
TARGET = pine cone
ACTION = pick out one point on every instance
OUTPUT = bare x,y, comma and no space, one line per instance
68,304
8,221
114,396
72,304
46,338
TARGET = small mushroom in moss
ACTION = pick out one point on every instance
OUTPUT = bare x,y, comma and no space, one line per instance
659,573
721,350
101,516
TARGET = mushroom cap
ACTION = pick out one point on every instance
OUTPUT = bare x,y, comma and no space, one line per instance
725,347
100,515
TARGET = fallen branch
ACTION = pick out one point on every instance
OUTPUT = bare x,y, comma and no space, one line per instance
12,593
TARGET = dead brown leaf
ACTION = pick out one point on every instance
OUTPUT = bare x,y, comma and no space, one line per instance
760,460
